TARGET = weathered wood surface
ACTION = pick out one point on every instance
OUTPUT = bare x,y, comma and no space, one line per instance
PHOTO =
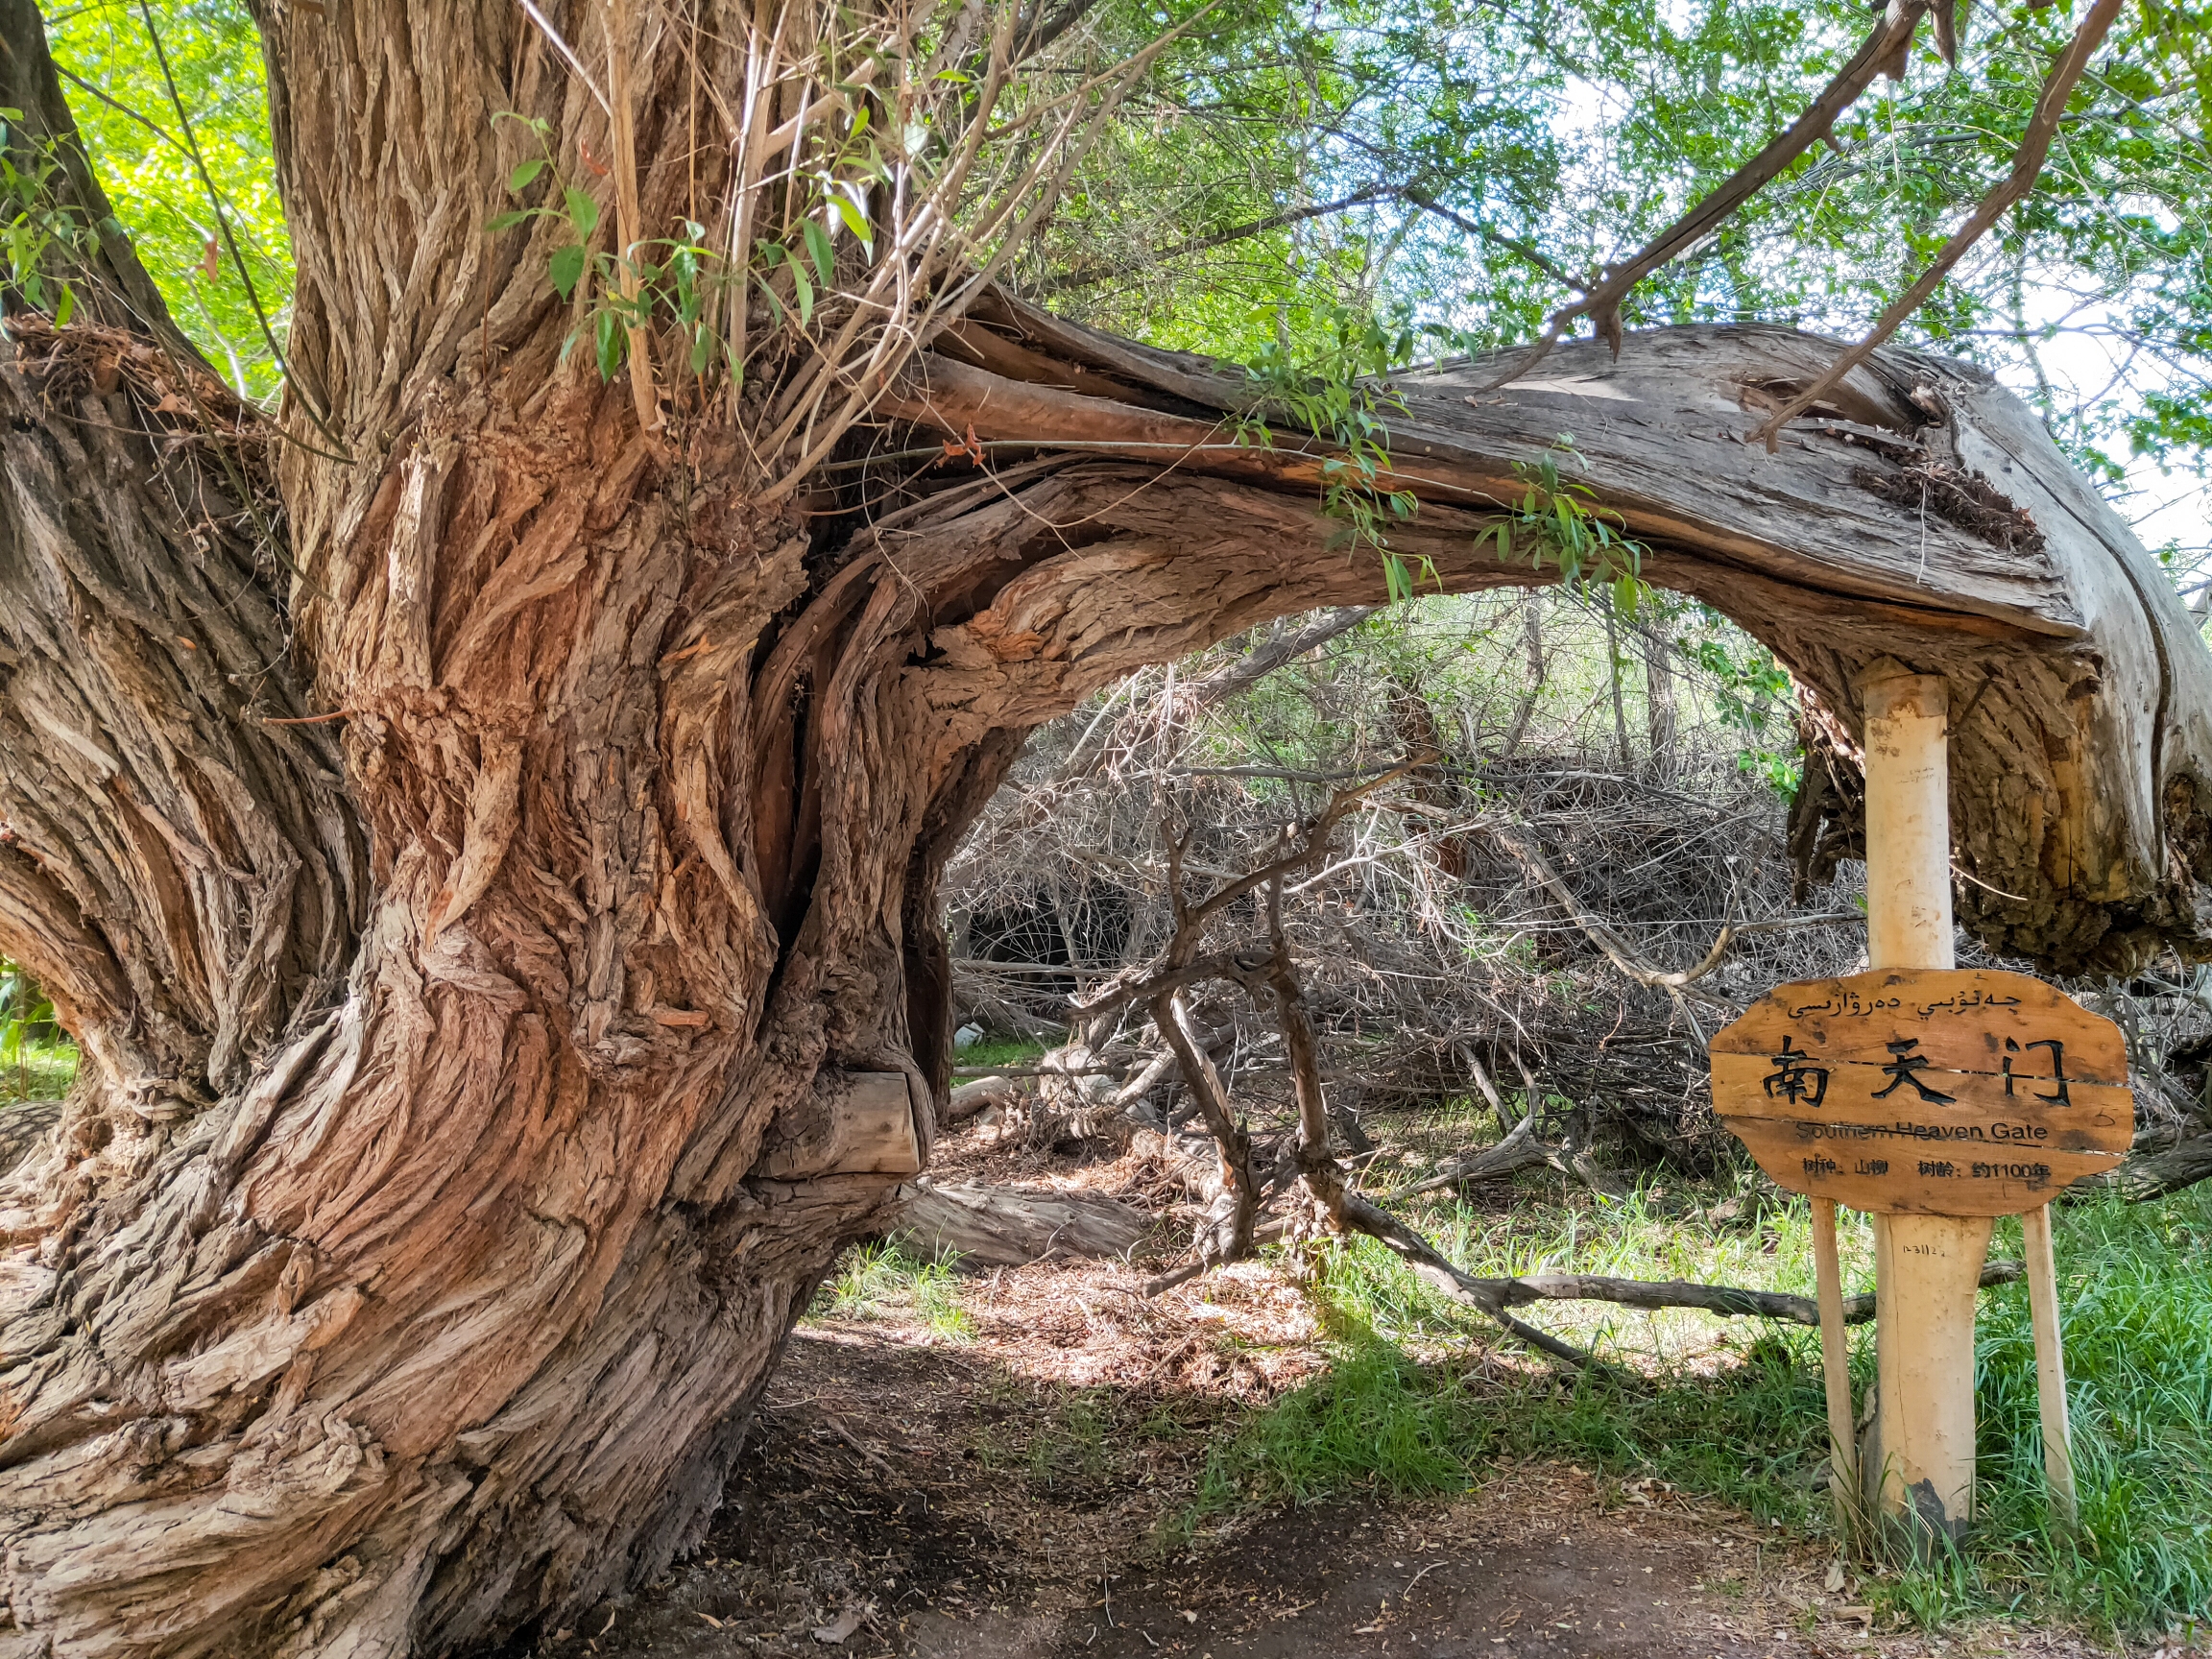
1926,1091
2081,693
1009,1226
2153,1174
979,1094
854,1123
23,1125
405,1264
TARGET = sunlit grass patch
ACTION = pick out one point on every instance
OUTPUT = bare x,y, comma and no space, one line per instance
999,1049
875,1280
1733,1410
36,1070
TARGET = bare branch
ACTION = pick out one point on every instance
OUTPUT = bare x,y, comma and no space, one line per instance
1726,1300
2027,166
1217,689
1886,47
1600,931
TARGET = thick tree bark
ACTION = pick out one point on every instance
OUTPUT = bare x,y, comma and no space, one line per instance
480,1077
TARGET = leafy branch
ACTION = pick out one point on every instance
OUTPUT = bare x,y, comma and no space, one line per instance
37,224
1336,396
1558,516
883,171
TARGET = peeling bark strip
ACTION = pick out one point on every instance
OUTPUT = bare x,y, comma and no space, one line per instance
479,1085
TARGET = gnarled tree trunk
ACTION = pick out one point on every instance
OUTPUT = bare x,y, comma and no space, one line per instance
479,1078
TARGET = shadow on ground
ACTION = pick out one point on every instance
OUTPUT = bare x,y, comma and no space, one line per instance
938,1502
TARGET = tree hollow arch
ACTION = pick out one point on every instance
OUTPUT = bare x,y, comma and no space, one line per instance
480,857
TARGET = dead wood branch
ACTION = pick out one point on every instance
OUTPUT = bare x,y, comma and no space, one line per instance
1236,964
1726,1300
1618,951
1041,1071
1283,647
969,1098
1324,1177
1882,50
1226,1233
1520,1150
2026,163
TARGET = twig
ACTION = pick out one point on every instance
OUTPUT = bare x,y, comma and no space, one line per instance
567,52
308,719
310,398
854,1442
1600,933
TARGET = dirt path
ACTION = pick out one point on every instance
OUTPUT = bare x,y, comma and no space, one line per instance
1009,1474
937,1502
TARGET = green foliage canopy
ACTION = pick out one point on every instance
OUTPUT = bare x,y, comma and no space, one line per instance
142,147
1438,173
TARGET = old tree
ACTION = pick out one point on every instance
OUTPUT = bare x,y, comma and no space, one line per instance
485,835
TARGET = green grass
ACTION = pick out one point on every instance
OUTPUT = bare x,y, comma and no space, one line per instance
36,1070
998,1048
1735,1412
875,1279
2136,1285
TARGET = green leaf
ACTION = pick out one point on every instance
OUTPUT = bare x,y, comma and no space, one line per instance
610,339
818,247
67,307
582,211
508,220
521,179
805,293
701,348
855,221
565,268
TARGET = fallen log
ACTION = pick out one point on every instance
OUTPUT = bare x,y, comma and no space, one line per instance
2150,1175
1726,1300
968,1099
1010,1226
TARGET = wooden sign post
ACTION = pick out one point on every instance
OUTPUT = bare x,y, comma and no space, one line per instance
1936,1099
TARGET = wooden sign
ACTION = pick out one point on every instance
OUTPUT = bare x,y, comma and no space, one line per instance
1928,1092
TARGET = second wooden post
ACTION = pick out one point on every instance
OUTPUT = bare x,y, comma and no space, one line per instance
1920,1461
